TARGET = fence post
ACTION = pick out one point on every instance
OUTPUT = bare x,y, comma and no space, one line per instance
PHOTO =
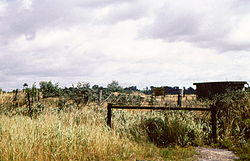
99,97
109,115
15,98
214,123
29,103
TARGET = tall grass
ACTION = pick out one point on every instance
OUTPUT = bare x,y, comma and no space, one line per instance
66,136
234,121
163,128
83,135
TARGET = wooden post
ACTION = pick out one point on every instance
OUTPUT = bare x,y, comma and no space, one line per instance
15,98
100,97
29,104
109,116
214,123
179,100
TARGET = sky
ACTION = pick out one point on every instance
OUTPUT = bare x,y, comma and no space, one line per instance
135,42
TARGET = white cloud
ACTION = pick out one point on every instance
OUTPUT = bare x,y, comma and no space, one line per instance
135,42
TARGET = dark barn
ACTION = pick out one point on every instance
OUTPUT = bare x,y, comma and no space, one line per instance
210,89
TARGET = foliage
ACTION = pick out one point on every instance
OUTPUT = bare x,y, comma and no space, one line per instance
147,91
176,128
234,113
114,87
49,89
162,128
234,120
126,99
80,94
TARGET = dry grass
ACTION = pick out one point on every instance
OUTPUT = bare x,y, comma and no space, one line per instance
73,134
8,98
79,135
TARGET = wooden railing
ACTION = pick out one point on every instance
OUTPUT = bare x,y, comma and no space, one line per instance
212,109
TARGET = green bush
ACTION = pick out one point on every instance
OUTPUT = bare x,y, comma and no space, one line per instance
179,128
234,122
114,87
49,89
234,114
163,128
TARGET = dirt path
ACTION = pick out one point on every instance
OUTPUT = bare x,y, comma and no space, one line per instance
210,154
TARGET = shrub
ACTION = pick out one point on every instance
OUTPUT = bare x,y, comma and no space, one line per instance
80,94
233,114
179,128
114,87
162,128
234,121
49,89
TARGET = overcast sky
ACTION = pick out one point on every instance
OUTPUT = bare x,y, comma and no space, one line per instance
136,42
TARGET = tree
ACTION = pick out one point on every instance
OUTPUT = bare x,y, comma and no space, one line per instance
114,87
49,89
80,94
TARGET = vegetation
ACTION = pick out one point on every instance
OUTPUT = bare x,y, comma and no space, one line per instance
76,135
115,87
70,124
234,122
49,89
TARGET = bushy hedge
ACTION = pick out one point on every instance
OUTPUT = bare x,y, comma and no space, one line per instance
234,121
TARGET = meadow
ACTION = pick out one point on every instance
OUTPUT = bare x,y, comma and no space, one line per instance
52,126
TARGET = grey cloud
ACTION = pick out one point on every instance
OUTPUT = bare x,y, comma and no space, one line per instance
210,28
173,26
55,14
43,14
50,64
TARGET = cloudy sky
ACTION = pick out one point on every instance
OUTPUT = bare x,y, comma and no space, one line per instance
136,42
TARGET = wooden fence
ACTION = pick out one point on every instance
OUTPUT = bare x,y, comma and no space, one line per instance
212,109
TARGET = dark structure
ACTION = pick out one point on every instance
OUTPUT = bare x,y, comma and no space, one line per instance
131,89
210,89
159,91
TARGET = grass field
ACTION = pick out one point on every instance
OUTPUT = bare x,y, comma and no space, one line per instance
73,133
76,135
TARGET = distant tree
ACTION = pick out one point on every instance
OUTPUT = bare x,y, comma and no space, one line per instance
49,89
131,88
147,91
80,94
114,87
95,87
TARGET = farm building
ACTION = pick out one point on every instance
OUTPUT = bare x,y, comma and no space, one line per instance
210,89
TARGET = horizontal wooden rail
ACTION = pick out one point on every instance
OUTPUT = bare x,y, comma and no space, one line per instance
161,108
